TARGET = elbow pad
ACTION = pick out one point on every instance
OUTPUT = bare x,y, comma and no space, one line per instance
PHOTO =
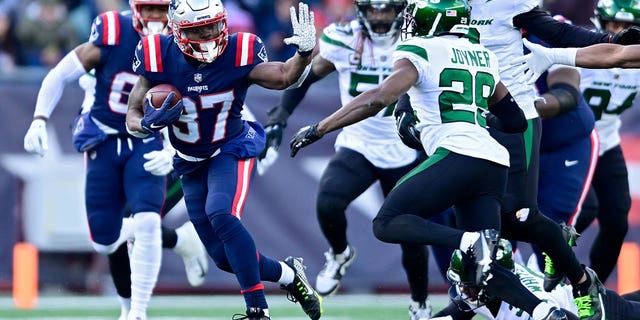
509,117
567,95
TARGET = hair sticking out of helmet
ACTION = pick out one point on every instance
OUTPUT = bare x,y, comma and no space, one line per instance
381,19
434,18
150,16
199,27
626,11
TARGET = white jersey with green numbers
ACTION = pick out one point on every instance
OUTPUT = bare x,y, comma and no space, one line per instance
376,137
456,78
561,296
494,20
609,92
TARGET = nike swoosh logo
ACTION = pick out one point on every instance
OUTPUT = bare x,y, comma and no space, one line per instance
155,126
146,140
570,163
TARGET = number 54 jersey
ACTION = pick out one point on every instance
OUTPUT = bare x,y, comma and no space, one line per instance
456,78
212,93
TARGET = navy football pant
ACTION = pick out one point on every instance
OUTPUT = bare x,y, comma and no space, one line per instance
215,194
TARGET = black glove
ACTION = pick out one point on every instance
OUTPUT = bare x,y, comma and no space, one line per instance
273,129
305,136
629,35
406,124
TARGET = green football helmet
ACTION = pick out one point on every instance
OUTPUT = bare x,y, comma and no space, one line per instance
380,30
618,10
434,18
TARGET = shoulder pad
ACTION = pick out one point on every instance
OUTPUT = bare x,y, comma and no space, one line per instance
249,48
341,34
105,30
152,53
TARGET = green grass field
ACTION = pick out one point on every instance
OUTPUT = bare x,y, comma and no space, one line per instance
216,307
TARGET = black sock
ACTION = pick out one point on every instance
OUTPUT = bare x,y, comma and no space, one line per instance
169,238
120,269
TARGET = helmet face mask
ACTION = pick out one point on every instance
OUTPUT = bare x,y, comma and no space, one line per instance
623,11
199,28
381,19
150,16
430,18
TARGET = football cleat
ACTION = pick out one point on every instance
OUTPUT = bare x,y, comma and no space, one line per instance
553,277
589,303
300,290
252,314
484,252
328,279
420,311
194,256
556,314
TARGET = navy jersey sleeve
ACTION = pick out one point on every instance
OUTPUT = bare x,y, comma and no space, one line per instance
148,60
250,50
557,34
105,30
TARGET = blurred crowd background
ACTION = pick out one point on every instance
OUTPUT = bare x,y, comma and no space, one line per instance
38,33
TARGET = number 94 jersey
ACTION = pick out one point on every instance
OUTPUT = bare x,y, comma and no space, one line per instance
213,93
456,78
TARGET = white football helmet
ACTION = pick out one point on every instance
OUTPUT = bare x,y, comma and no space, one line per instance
185,14
380,31
149,25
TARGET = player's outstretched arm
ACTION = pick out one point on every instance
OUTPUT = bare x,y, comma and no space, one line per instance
361,107
604,56
281,75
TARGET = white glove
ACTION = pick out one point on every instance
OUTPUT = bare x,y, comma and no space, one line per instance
36,141
160,162
268,160
534,64
304,29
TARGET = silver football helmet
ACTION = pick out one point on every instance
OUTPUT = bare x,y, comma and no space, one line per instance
199,15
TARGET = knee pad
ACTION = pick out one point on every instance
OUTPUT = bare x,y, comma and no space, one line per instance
146,222
226,226
105,249
378,227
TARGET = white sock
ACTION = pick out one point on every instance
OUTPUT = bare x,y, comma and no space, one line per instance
145,259
286,277
125,306
468,239
541,310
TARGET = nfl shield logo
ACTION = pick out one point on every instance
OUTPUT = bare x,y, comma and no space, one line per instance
197,77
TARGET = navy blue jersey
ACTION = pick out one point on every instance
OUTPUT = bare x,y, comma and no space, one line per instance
213,93
114,34
568,127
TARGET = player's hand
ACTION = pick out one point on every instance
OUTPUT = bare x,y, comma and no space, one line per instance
156,119
304,30
159,163
274,139
264,163
305,136
534,64
406,124
627,36
36,141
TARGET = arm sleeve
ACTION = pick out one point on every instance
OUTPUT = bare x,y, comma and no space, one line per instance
507,116
291,97
67,70
555,33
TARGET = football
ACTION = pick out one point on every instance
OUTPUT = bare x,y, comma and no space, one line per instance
160,92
